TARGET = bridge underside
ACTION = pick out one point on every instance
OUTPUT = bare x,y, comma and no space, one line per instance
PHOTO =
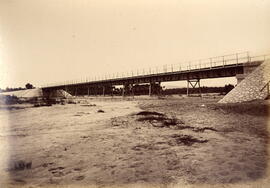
152,81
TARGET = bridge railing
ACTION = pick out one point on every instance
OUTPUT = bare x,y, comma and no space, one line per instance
208,63
259,58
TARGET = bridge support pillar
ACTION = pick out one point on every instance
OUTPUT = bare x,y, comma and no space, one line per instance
123,90
103,91
127,90
159,89
193,83
150,89
132,90
75,92
66,89
111,89
154,88
95,91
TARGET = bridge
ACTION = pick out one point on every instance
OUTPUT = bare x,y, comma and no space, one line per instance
233,65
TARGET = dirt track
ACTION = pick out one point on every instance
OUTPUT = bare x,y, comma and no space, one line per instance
192,141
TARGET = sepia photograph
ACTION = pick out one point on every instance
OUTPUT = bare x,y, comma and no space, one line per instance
134,94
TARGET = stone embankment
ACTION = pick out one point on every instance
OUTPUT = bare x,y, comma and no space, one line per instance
253,87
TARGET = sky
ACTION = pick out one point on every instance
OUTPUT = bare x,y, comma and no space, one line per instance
53,41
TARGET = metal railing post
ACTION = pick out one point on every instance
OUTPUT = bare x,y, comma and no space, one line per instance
248,57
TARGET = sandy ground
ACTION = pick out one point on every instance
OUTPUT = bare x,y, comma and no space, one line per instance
171,142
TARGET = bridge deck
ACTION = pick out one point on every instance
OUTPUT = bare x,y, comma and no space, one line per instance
216,67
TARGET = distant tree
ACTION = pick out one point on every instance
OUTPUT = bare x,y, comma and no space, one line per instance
12,89
29,86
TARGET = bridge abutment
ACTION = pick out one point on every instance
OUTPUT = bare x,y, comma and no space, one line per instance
247,69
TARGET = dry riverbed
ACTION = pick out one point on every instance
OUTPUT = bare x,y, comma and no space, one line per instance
165,142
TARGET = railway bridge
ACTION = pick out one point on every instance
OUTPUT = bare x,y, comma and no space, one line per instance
233,65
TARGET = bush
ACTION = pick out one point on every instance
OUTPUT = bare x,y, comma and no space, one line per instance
7,99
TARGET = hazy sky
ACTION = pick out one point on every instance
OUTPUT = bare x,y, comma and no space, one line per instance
45,41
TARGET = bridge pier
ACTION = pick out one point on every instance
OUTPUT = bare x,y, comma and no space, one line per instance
159,89
103,91
112,88
123,90
150,90
132,90
128,89
154,88
193,83
66,89
76,92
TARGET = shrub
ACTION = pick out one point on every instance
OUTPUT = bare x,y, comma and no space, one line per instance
7,99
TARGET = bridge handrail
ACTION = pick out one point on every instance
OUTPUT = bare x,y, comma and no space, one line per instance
207,63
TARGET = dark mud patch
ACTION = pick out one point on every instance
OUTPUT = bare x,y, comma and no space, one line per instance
203,129
20,181
79,178
152,118
46,164
173,121
185,127
196,129
19,135
187,140
78,115
21,165
57,172
57,168
150,113
88,105
158,119
161,120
